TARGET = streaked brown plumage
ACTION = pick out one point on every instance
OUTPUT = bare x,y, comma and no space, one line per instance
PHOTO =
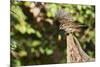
66,22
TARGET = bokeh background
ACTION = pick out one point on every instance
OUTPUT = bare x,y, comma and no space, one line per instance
36,40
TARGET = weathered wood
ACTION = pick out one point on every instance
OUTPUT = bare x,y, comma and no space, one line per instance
74,50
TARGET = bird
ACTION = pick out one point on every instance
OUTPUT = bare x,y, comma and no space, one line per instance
67,23
74,51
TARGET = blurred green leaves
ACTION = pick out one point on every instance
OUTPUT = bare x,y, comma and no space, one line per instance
24,28
16,63
16,11
51,10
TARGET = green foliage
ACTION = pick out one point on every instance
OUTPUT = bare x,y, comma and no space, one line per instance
36,40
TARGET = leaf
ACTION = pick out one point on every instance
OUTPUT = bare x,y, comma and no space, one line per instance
21,28
38,34
36,43
16,63
17,12
22,53
48,51
29,29
41,50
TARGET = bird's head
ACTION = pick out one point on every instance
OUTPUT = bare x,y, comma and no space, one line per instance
62,15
